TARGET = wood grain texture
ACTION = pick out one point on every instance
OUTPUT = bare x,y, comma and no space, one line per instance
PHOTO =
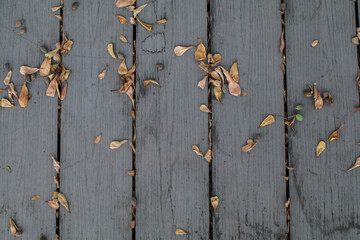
250,187
28,136
171,180
93,176
324,199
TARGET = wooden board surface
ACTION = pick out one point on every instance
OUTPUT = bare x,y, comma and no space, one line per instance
93,176
324,199
251,190
28,136
171,180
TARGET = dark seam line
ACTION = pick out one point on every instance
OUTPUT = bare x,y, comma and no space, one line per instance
133,115
357,47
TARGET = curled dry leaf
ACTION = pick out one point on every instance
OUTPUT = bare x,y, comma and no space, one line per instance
8,77
130,93
97,139
63,201
45,67
320,148
123,39
197,150
328,98
56,164
234,87
180,50
53,204
124,3
267,121
208,155
51,90
314,43
202,83
317,99
145,25
204,108
122,68
24,96
200,53
67,46
14,229
121,19
250,144
63,92
234,72
205,67
11,90
164,20
282,41
110,49
146,82
102,74
51,53
214,202
218,93
179,231
117,144
335,134
214,60
6,103
309,93
36,197
356,165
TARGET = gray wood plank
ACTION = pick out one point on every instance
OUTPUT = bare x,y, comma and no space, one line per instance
28,136
93,176
251,190
171,180
324,199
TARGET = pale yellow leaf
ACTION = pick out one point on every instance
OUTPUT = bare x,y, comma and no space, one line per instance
63,201
335,134
146,82
56,164
54,9
24,96
320,148
202,83
355,40
36,197
5,103
197,150
117,144
204,108
97,139
180,50
122,67
51,53
110,49
8,77
102,74
179,231
139,9
145,25
218,93
123,39
314,43
318,99
58,17
234,72
214,202
267,121
200,53
53,204
208,155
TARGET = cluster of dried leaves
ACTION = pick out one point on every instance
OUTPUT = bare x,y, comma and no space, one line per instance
318,99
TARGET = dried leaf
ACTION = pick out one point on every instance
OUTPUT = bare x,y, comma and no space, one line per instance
54,9
282,41
110,49
234,73
204,108
320,148
146,82
8,77
335,134
287,204
122,67
197,151
36,197
328,98
6,103
145,25
218,93
56,181
267,121
56,164
205,67
130,93
63,201
180,50
139,9
164,20
117,144
123,39
249,145
132,21
28,70
14,229
356,165
214,202
24,96
208,155
51,90
317,98
97,139
102,74
51,53
74,6
125,3
355,40
45,67
234,87
131,173
121,19
67,46
200,53
179,231
12,90
53,204
216,59
63,92
58,17
314,43
309,93
202,83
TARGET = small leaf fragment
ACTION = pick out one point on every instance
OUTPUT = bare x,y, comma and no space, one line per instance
267,121
328,98
53,204
122,68
164,20
320,148
299,107
110,49
180,50
234,72
318,99
6,103
123,39
355,40
36,197
124,3
335,134
102,74
121,19
58,17
146,82
214,202
51,53
63,201
14,229
202,83
356,165
197,151
131,173
204,108
200,53
24,96
282,41
139,9
54,9
299,117
8,168
179,231
218,93
56,164
145,25
250,144
117,144
309,93
8,77
98,138
314,43
74,6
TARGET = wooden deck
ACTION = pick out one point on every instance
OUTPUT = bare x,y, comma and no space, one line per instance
172,185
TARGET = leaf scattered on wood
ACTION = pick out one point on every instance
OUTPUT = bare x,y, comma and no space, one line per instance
202,82
102,74
200,53
124,3
145,25
56,164
146,82
234,87
36,197
180,50
335,134
121,19
318,99
14,229
214,202
355,40
51,53
8,77
74,6
309,93
117,144
320,148
131,173
197,150
204,108
328,98
267,121
123,39
132,21
299,117
314,43
218,93
63,201
98,138
179,231
24,96
250,144
136,11
110,49
45,67
164,20
58,17
51,90
234,72
287,204
282,41
205,67
208,155
356,165
122,68
63,92
54,9
6,103
53,204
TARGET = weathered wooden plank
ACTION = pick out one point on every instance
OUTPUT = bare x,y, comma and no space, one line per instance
324,199
29,135
250,187
171,180
93,176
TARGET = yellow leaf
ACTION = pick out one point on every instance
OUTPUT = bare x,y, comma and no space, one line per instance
145,25
267,121
97,139
179,231
146,82
45,67
58,16
102,74
8,77
197,151
320,148
200,53
36,197
54,9
234,73
335,134
122,67
205,67
204,108
121,19
123,39
356,165
214,202
139,9
63,201
110,49
14,229
124,3
56,164
117,144
314,43
317,99
5,103
180,50
51,53
24,96
164,20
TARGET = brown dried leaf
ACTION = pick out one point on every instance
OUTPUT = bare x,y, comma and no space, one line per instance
204,108
164,20
56,164
117,144
267,121
202,82
110,49
146,82
63,201
234,72
282,41
51,90
180,50
320,148
205,67
356,165
234,87
54,9
335,134
12,90
6,103
309,93
217,58
130,93
8,77
24,96
218,93
124,3
123,39
200,53
355,40
197,150
214,202
249,145
56,181
67,46
317,98
208,155
63,92
132,21
314,43
51,53
14,229
53,204
58,17
45,67
122,67
102,74
328,98
121,19
179,231
36,197
131,173
145,25
97,139
28,70
138,10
